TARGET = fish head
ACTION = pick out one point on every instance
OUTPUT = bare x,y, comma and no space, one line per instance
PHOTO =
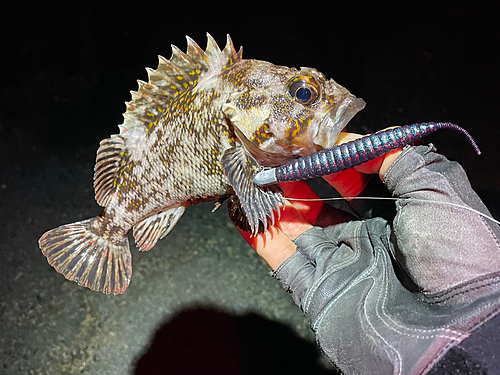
281,113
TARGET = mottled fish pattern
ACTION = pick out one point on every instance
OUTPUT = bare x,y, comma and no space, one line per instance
200,129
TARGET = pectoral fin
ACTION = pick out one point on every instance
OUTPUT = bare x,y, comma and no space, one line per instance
256,202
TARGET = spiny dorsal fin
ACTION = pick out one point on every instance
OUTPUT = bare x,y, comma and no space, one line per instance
230,53
172,78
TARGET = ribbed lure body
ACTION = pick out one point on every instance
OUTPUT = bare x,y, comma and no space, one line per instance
353,153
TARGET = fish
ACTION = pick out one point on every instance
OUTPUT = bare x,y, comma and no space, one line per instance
201,128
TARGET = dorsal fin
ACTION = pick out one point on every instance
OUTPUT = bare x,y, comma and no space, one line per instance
172,78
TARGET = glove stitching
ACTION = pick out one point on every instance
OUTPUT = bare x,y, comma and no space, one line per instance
400,361
383,292
383,303
445,349
450,294
331,303
308,297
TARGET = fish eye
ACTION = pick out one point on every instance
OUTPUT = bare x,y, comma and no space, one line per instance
303,91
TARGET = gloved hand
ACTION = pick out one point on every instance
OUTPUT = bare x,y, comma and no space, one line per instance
389,297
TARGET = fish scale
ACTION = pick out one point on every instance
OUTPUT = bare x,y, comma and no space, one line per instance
200,129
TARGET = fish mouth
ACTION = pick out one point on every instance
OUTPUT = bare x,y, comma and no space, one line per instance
347,110
334,122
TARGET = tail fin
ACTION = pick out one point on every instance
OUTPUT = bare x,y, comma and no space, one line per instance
92,260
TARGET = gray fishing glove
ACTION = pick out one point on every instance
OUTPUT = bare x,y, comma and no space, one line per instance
392,298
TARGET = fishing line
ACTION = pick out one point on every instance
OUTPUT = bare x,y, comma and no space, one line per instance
398,199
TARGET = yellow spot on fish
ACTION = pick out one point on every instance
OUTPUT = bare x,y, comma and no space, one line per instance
180,78
296,131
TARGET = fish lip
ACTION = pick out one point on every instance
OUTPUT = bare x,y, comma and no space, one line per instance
333,122
348,109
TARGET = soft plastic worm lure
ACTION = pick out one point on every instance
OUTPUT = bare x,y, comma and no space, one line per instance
353,153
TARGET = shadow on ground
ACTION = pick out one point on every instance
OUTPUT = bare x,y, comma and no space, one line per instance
209,341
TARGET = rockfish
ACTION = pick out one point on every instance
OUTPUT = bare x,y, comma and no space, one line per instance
202,127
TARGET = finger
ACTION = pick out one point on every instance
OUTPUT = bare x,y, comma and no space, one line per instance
275,245
316,212
387,162
351,182
348,183
303,199
377,166
346,137
292,223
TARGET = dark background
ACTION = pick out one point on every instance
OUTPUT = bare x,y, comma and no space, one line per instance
66,71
